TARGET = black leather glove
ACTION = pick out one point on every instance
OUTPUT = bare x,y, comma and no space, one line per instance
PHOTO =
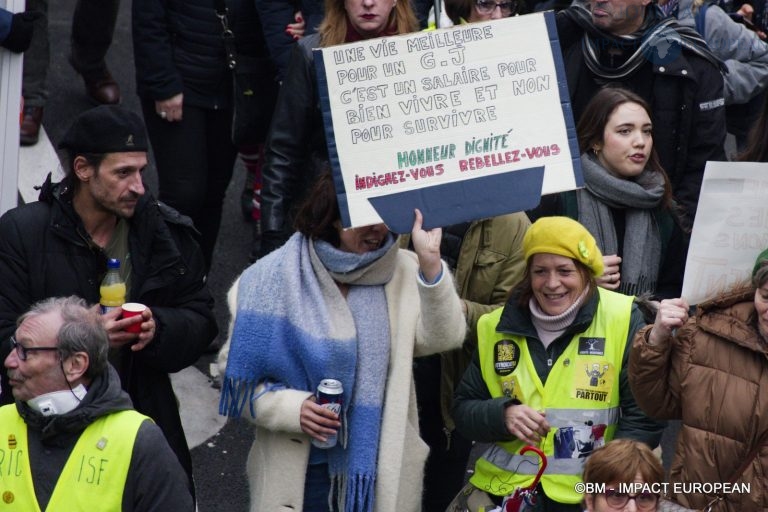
20,35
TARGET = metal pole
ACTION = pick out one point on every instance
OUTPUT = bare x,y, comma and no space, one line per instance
10,99
438,6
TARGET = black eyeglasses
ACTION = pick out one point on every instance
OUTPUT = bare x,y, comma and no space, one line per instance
488,6
23,352
644,500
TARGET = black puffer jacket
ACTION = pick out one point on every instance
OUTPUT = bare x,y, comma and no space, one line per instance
178,48
46,252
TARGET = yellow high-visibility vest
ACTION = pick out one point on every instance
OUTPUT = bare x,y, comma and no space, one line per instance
580,398
93,477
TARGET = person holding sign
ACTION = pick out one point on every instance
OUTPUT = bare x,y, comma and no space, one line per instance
711,371
296,150
347,305
550,371
627,203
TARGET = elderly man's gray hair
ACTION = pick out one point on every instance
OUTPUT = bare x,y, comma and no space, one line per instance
82,330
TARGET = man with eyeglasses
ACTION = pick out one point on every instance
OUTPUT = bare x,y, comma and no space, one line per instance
632,44
74,441
59,246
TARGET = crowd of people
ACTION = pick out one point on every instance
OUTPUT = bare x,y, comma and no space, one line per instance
561,328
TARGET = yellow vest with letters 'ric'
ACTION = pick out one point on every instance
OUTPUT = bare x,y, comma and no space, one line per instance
93,477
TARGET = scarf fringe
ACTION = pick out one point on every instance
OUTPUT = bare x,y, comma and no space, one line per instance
357,497
236,393
643,285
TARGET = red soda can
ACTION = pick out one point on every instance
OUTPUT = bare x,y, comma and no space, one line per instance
329,396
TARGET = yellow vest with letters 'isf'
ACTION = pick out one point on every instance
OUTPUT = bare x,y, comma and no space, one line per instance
93,478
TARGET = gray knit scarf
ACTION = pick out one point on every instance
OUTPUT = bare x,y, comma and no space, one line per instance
353,470
641,253
654,29
293,328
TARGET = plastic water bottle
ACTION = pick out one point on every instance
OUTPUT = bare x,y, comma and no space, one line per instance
112,289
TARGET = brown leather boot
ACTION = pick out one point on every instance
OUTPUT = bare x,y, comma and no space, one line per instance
30,125
102,89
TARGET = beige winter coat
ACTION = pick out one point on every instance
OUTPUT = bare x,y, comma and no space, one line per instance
423,320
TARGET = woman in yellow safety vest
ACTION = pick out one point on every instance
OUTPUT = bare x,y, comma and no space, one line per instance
550,371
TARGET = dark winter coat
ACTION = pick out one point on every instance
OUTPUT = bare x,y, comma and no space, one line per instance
178,48
296,151
46,252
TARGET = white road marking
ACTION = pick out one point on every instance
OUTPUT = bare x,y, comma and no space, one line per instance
198,405
35,162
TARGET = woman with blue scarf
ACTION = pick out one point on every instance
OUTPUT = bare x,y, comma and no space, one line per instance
351,306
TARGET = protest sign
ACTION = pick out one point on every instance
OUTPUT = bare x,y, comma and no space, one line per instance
730,230
10,97
464,123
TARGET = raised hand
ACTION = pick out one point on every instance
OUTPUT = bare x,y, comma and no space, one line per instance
426,244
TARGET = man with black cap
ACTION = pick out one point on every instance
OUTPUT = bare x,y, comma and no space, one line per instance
74,440
59,246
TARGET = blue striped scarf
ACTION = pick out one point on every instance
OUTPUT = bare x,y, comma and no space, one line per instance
293,328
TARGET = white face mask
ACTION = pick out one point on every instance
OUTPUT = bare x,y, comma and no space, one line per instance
58,402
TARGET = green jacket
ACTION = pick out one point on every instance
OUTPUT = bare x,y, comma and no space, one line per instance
481,418
490,264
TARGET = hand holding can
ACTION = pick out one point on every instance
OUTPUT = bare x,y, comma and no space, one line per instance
329,394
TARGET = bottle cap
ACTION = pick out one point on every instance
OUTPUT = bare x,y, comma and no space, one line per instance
113,263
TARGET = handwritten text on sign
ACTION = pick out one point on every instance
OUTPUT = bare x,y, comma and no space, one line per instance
730,230
445,106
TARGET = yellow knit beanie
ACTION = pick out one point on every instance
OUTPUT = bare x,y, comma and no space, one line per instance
565,237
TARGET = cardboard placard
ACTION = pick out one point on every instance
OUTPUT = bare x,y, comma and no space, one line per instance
464,123
730,230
